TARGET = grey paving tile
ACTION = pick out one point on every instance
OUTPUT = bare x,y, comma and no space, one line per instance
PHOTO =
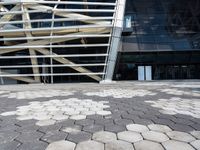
172,145
180,136
93,128
79,137
115,128
148,145
8,136
129,136
123,121
155,136
104,136
33,145
29,136
52,136
9,145
90,145
61,145
118,145
85,122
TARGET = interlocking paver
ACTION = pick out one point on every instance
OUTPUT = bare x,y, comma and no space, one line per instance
148,145
61,145
137,128
172,145
79,136
29,136
159,128
129,136
45,122
180,136
8,136
33,145
196,144
90,145
115,128
52,136
104,136
134,111
155,136
72,129
118,145
196,134
9,146
93,128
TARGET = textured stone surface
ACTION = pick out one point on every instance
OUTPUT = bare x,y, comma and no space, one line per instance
180,136
196,134
129,136
141,107
137,128
90,145
148,145
155,136
196,144
118,145
104,136
176,145
61,145
159,128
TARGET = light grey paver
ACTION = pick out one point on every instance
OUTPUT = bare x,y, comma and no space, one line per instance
104,136
180,136
176,145
159,128
45,122
103,113
129,136
155,136
137,128
61,145
196,134
73,129
78,117
90,145
118,145
196,144
148,145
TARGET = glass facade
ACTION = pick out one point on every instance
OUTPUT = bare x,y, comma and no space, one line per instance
163,25
164,34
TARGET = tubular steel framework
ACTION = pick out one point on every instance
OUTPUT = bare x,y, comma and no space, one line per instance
44,39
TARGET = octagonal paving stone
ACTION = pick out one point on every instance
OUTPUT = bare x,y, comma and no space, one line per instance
196,144
129,136
180,136
61,145
104,136
155,136
118,145
159,128
148,145
176,145
137,128
90,145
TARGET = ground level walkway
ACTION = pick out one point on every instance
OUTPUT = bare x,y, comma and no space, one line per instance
118,116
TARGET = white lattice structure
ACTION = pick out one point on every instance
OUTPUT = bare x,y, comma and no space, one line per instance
44,39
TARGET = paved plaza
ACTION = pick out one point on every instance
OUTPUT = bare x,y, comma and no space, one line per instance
118,116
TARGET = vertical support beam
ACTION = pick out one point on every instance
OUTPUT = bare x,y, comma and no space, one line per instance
115,40
27,25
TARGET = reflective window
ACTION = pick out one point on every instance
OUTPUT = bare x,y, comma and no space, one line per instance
163,25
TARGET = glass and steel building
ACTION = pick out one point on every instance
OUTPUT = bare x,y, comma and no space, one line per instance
60,41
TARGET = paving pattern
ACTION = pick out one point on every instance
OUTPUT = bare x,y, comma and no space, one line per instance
121,116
